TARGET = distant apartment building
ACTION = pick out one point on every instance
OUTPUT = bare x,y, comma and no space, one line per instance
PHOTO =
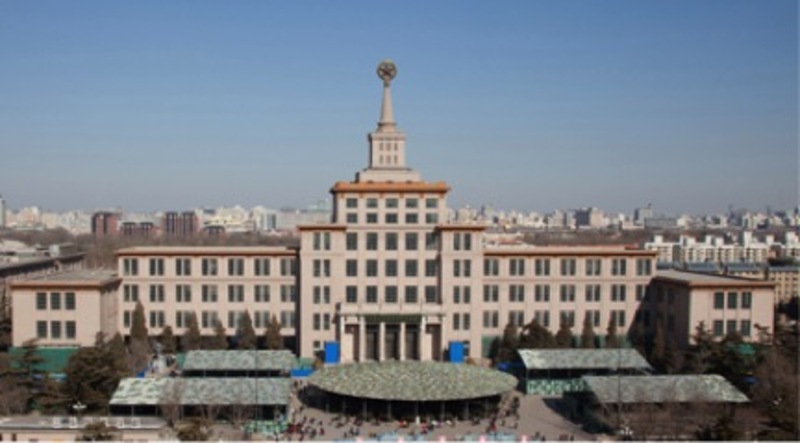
180,224
711,249
142,229
590,218
105,224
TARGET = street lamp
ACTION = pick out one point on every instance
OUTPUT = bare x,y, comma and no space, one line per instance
78,407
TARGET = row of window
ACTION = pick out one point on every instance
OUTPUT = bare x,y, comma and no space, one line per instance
210,266
733,300
391,268
391,241
209,293
491,318
55,301
567,293
391,294
208,319
392,218
567,267
57,329
391,203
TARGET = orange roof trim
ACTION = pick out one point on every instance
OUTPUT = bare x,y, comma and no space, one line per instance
433,187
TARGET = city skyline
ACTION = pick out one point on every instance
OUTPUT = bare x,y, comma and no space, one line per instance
527,106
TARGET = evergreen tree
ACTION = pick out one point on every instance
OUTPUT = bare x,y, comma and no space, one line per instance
272,334
701,353
587,335
117,356
139,324
87,381
508,344
29,372
168,342
564,335
220,339
192,340
733,362
245,334
673,358
536,336
612,339
139,339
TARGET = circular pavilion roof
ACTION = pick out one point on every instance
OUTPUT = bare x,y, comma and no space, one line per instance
412,381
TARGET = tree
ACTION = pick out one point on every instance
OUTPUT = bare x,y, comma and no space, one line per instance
98,431
272,334
192,340
536,336
93,373
168,342
13,395
673,358
508,344
28,368
139,339
659,349
700,355
587,335
564,335
220,339
139,324
612,339
194,429
117,356
245,334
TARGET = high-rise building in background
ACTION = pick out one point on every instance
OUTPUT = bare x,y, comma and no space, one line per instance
180,224
105,224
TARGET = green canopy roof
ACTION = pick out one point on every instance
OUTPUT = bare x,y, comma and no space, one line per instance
664,389
238,360
582,359
55,359
200,391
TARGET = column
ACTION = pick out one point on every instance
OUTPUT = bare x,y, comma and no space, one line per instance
424,352
442,336
402,340
362,339
381,339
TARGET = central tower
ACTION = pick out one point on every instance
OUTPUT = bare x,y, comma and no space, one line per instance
387,145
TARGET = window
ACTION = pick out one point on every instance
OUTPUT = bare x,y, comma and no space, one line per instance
456,294
130,266
411,268
372,203
183,266
567,318
351,268
618,266
156,319
431,218
644,266
209,293
372,268
372,294
618,292
641,292
352,217
209,266
516,318
391,218
567,266
372,218
719,300
156,266
391,203
157,293
456,268
745,328
182,318
130,293
431,241
733,299
235,266
594,317
491,293
234,318
516,293
351,203
351,294
411,294
542,266
210,319
391,241
41,329
390,294
491,267
55,329
322,241
618,317
542,293
567,293
467,247
288,267
747,300
372,241
322,268
466,291
412,218
391,268
491,319
456,322
592,293
287,319
236,293
261,266
183,293
730,327
261,293
69,301
317,322
431,295
261,318
287,293
593,266
542,317
412,241
41,301
70,329
456,241
351,240
431,268
431,203
412,203
517,266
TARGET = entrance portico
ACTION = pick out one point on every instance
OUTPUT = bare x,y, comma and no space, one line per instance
370,336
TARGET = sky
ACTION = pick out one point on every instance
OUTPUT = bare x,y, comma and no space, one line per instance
529,105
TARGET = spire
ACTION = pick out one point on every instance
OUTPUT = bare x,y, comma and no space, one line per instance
387,71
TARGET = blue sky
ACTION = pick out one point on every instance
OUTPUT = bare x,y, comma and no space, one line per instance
689,105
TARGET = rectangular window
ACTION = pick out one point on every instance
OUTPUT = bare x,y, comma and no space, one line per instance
372,218
71,329
730,327
236,293
516,318
733,300
391,203
456,268
287,319
69,301
618,317
288,267
183,266
157,293
431,203
317,322
594,317
411,294
156,266
391,268
456,294
235,266
261,293
41,301
644,266
456,241
55,301
542,293
431,241
456,322
467,321
491,293
431,218
41,329
351,240
183,293
372,203
412,218
390,294
592,293
747,300
351,203
261,266
516,293
542,317
719,300
431,268
351,267
55,329
372,241
126,319
130,266
391,241
412,241
391,218
372,294
542,266
718,329
431,295
351,294
130,293
567,266
618,292
412,203
210,319
208,267
411,268
745,328
351,217
641,292
517,266
567,318
567,293
287,293
372,268
467,247
619,266
491,267
593,266
209,293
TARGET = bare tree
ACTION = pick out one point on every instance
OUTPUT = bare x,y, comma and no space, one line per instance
170,403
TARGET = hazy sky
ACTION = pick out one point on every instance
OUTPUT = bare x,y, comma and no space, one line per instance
689,105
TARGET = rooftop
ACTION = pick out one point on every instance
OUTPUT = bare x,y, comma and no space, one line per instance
238,360
599,250
200,391
79,278
206,250
703,279
664,389
582,359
